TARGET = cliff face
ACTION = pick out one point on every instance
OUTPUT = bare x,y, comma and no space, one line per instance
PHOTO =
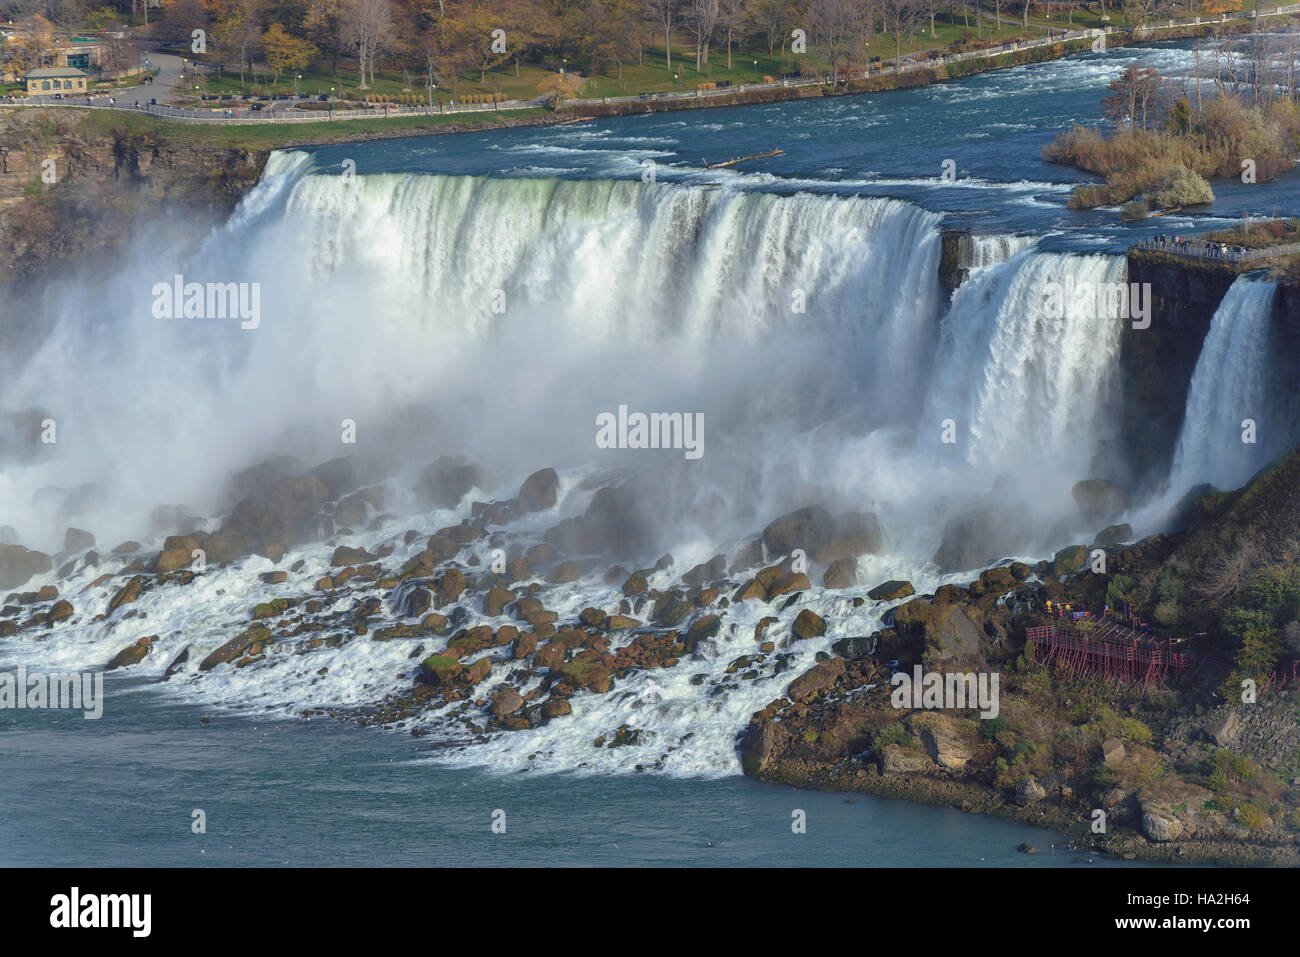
101,182
1157,363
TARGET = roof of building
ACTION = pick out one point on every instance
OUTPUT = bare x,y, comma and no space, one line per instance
49,71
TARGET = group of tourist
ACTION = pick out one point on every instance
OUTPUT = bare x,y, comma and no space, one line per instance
1198,247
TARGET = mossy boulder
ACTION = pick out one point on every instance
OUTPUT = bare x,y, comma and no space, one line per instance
1069,560
235,647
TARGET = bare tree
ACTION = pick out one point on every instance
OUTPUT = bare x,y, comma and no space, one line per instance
703,17
732,16
367,26
837,29
664,13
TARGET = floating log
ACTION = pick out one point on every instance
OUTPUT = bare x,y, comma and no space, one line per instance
742,159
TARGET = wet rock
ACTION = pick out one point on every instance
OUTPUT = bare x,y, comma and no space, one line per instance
540,491
441,671
178,662
820,678
460,534
808,624
132,654
450,586
712,570
525,645
1113,535
19,564
551,655
705,628
60,611
126,594
76,539
447,480
1069,560
853,534
345,555
756,748
670,610
893,590
747,555
804,529
171,560
565,572
635,585
855,646
507,702
588,673
841,573
350,512
614,525
1099,500
495,601
235,647
556,708
983,533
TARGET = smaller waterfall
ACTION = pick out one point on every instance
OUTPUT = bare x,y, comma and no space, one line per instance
1231,384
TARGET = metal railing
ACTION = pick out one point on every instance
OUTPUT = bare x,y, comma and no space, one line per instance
1216,252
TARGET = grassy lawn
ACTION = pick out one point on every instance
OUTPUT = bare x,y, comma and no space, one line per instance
273,135
650,74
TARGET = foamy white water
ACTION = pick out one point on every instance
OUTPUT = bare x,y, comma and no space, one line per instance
1231,385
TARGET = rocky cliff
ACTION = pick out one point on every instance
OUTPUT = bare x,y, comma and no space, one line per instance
70,189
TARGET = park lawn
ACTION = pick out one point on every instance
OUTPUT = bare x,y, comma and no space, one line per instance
275,135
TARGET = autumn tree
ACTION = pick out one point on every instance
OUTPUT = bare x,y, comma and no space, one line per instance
285,51
238,34
180,19
321,24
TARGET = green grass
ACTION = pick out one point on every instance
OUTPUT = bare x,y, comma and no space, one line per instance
649,75
273,135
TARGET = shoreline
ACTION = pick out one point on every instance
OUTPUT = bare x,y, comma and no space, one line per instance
413,125
973,798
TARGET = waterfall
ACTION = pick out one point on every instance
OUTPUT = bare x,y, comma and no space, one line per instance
1231,384
1026,360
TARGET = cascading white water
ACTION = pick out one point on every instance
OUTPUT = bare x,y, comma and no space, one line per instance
1026,362
1231,384
493,317
990,249
526,305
